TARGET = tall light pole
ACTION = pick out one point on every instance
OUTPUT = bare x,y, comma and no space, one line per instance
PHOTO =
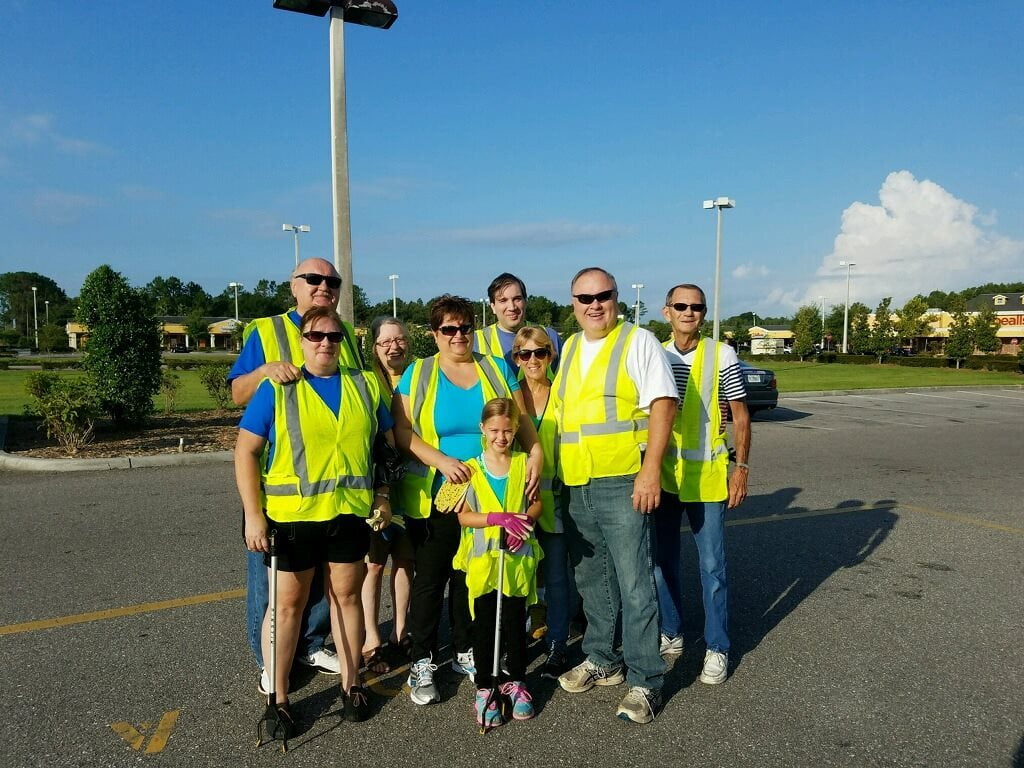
718,203
483,313
822,299
296,228
369,13
47,303
35,313
394,295
846,309
236,286
636,310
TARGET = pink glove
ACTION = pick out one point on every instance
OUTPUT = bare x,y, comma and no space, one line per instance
518,526
513,543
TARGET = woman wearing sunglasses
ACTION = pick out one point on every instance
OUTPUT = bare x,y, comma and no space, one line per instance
437,423
391,356
533,352
303,469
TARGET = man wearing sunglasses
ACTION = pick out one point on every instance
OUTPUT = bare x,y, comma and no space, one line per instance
507,295
614,401
272,349
695,475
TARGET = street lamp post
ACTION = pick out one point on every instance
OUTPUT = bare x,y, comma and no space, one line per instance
846,309
822,299
47,303
483,313
369,13
636,310
296,228
236,286
718,203
394,295
35,313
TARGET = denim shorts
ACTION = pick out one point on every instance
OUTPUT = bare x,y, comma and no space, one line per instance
304,545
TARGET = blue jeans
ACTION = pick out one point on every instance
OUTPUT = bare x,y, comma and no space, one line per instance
610,546
316,619
707,521
559,591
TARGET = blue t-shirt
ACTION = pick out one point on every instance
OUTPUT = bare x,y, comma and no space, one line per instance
457,413
498,484
258,417
505,338
252,355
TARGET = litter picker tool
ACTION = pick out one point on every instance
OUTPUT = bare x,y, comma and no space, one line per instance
494,695
276,723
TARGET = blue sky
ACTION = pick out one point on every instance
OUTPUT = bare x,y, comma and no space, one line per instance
538,138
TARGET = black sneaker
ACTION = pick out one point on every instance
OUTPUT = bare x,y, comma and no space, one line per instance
555,664
357,704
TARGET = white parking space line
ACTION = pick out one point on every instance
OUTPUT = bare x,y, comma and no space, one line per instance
1019,399
788,425
965,399
921,413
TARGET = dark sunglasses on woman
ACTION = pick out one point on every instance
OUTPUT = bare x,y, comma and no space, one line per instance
526,354
450,330
316,337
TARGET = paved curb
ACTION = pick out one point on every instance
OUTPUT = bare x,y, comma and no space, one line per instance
28,464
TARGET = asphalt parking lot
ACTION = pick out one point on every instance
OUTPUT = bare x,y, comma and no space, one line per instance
876,616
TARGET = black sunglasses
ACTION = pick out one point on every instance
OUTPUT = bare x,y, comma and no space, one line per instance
526,354
682,306
590,298
314,279
450,330
316,337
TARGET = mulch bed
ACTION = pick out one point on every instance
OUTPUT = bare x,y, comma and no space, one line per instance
203,431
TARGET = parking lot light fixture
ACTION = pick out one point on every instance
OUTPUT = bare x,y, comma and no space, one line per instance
718,203
394,295
846,309
297,229
636,310
236,286
368,13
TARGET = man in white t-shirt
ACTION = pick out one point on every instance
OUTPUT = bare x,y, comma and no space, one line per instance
614,401
695,477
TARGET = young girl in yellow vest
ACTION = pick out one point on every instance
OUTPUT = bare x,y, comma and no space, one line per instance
496,509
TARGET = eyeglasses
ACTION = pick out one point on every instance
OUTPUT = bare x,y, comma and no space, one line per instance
682,306
526,354
313,278
450,330
399,340
316,337
590,298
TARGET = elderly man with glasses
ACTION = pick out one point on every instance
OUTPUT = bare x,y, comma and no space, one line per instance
272,349
615,400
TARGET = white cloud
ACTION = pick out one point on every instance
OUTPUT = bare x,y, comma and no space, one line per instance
544,234
40,129
744,271
254,222
918,239
58,208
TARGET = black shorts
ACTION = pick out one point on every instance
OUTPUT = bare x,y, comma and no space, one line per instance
301,546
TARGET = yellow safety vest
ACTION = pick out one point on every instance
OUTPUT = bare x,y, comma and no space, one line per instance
601,425
415,495
550,484
696,463
282,341
322,463
488,342
479,548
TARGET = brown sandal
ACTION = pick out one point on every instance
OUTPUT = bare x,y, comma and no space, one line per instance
375,662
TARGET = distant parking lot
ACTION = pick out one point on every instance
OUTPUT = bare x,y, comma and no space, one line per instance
875,613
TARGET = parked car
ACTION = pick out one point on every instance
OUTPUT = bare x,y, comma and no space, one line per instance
762,387
180,348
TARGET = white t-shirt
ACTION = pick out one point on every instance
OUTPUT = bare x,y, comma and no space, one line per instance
646,365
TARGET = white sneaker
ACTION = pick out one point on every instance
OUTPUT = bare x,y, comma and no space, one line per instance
324,661
421,682
263,686
716,668
671,646
464,664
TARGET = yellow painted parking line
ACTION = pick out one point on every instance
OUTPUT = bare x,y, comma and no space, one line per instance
114,613
802,515
980,523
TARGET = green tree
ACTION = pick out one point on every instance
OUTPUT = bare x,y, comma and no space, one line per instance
197,327
960,343
122,356
983,325
913,322
16,299
52,338
806,330
880,336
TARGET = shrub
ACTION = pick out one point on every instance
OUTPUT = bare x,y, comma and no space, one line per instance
68,407
214,377
170,386
827,357
58,365
920,362
984,363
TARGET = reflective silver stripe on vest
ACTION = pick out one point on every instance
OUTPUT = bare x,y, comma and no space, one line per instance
299,467
420,393
417,468
284,346
708,373
611,425
491,372
482,544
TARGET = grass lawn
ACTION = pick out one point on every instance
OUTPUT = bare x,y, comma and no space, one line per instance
191,397
810,377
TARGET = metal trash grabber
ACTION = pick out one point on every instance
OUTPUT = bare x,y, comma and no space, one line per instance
495,696
276,723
